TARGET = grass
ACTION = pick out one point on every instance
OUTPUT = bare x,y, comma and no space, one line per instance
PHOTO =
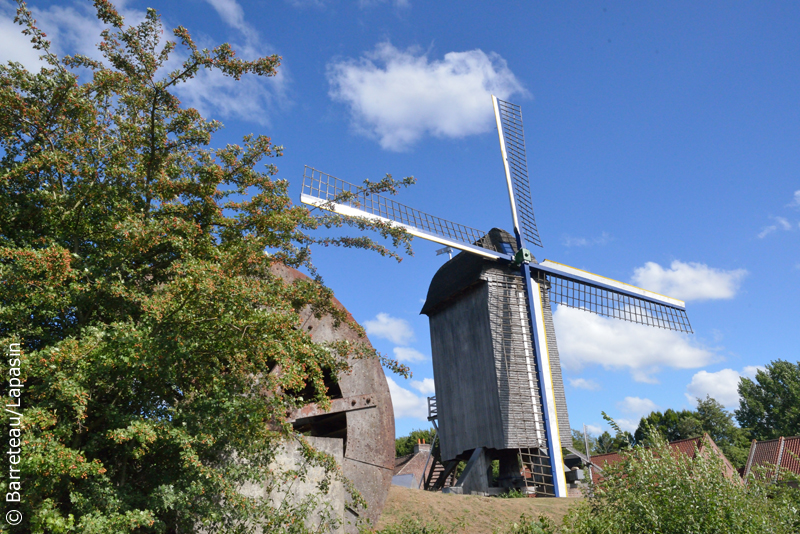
411,511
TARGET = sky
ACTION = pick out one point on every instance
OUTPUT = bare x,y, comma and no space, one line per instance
663,143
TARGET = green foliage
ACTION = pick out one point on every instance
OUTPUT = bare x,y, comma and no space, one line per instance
530,525
578,442
671,425
607,443
769,406
513,493
415,525
658,489
160,355
718,423
602,444
710,417
405,445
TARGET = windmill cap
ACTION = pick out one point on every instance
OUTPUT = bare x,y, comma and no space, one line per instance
465,270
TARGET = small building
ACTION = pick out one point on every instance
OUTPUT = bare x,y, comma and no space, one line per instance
691,447
783,453
410,469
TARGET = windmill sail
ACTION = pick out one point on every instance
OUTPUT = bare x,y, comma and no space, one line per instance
330,193
591,292
512,147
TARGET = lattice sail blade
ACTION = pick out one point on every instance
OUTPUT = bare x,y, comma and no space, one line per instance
512,146
324,191
610,298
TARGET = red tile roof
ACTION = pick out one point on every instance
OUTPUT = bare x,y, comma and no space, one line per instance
781,452
688,447
791,455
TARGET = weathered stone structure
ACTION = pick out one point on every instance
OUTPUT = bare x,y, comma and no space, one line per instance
361,417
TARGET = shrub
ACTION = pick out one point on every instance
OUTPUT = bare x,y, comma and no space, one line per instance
513,493
531,525
415,525
658,489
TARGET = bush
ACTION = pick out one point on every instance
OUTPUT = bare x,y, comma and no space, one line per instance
415,525
658,489
513,493
530,525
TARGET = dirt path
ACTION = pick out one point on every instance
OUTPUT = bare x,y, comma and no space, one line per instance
482,514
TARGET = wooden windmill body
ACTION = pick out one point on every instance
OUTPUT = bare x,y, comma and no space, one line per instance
487,390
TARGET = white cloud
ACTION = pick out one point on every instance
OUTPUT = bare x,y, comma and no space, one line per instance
637,406
249,99
425,386
74,29
407,354
231,13
594,430
751,370
252,97
70,29
720,385
397,3
586,338
307,3
406,403
689,281
13,45
385,326
795,203
766,231
603,239
628,425
400,96
582,383
781,223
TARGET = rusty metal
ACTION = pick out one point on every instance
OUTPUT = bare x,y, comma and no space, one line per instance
349,404
366,427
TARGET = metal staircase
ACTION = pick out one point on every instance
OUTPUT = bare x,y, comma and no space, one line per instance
440,475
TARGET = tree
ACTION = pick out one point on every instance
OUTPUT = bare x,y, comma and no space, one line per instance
671,425
602,444
718,423
769,406
578,443
710,417
405,445
607,443
160,355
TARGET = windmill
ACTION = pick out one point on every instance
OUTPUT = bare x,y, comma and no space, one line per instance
498,379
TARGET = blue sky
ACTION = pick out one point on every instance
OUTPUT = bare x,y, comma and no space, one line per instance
663,147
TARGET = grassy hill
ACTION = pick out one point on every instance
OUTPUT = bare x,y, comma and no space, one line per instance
466,514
